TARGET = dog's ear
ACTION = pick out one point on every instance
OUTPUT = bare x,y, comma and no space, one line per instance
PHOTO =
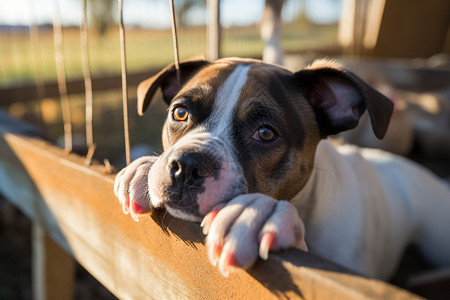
339,98
167,80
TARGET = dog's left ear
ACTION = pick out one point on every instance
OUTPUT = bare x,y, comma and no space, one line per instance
167,81
339,98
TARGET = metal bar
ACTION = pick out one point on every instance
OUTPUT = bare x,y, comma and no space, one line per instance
86,75
37,63
175,41
61,76
123,60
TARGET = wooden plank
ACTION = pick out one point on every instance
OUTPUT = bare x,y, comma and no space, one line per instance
397,29
413,28
158,257
53,268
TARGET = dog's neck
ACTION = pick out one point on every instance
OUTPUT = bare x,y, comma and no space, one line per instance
316,185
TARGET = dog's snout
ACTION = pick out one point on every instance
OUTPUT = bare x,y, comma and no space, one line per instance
192,167
186,166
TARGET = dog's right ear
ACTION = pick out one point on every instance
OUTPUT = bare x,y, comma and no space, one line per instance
339,98
166,79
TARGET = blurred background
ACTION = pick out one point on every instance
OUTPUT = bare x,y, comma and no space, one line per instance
391,44
402,47
306,26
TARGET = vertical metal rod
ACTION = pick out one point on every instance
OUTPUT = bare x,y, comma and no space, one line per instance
61,76
37,63
124,84
175,41
213,29
86,75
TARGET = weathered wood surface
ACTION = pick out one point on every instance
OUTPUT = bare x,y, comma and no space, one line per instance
159,256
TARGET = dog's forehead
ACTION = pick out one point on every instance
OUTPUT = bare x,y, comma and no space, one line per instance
215,74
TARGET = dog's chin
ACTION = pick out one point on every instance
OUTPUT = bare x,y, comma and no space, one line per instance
178,213
163,201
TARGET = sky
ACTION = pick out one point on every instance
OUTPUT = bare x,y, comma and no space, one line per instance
156,14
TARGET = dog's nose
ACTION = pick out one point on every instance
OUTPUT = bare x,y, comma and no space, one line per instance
191,168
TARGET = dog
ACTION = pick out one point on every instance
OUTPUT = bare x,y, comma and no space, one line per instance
246,152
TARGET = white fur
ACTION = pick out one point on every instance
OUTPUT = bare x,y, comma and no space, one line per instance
208,199
368,204
225,102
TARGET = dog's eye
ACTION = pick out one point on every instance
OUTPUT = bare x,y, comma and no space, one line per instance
264,134
180,113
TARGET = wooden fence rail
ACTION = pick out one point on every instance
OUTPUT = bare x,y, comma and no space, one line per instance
157,257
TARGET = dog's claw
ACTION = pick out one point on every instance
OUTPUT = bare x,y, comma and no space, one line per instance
268,239
287,228
125,205
214,252
251,225
227,262
208,219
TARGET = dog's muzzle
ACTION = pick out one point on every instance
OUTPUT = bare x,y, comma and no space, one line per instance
194,175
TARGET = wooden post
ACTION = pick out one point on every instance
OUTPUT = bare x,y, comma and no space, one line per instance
53,269
213,29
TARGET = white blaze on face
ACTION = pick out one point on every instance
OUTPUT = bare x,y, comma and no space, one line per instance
226,100
215,189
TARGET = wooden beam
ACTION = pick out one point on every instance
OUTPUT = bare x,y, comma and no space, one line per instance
159,256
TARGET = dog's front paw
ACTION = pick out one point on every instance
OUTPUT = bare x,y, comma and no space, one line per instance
131,186
249,225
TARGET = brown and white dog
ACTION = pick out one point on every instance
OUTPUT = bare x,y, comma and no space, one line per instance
245,150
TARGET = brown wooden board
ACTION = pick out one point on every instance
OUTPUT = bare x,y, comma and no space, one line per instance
159,256
411,29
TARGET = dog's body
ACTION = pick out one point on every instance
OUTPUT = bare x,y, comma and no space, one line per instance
242,135
376,203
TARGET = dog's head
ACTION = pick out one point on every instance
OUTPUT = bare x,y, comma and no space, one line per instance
237,126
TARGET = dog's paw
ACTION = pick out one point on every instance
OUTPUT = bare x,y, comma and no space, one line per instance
131,186
248,226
